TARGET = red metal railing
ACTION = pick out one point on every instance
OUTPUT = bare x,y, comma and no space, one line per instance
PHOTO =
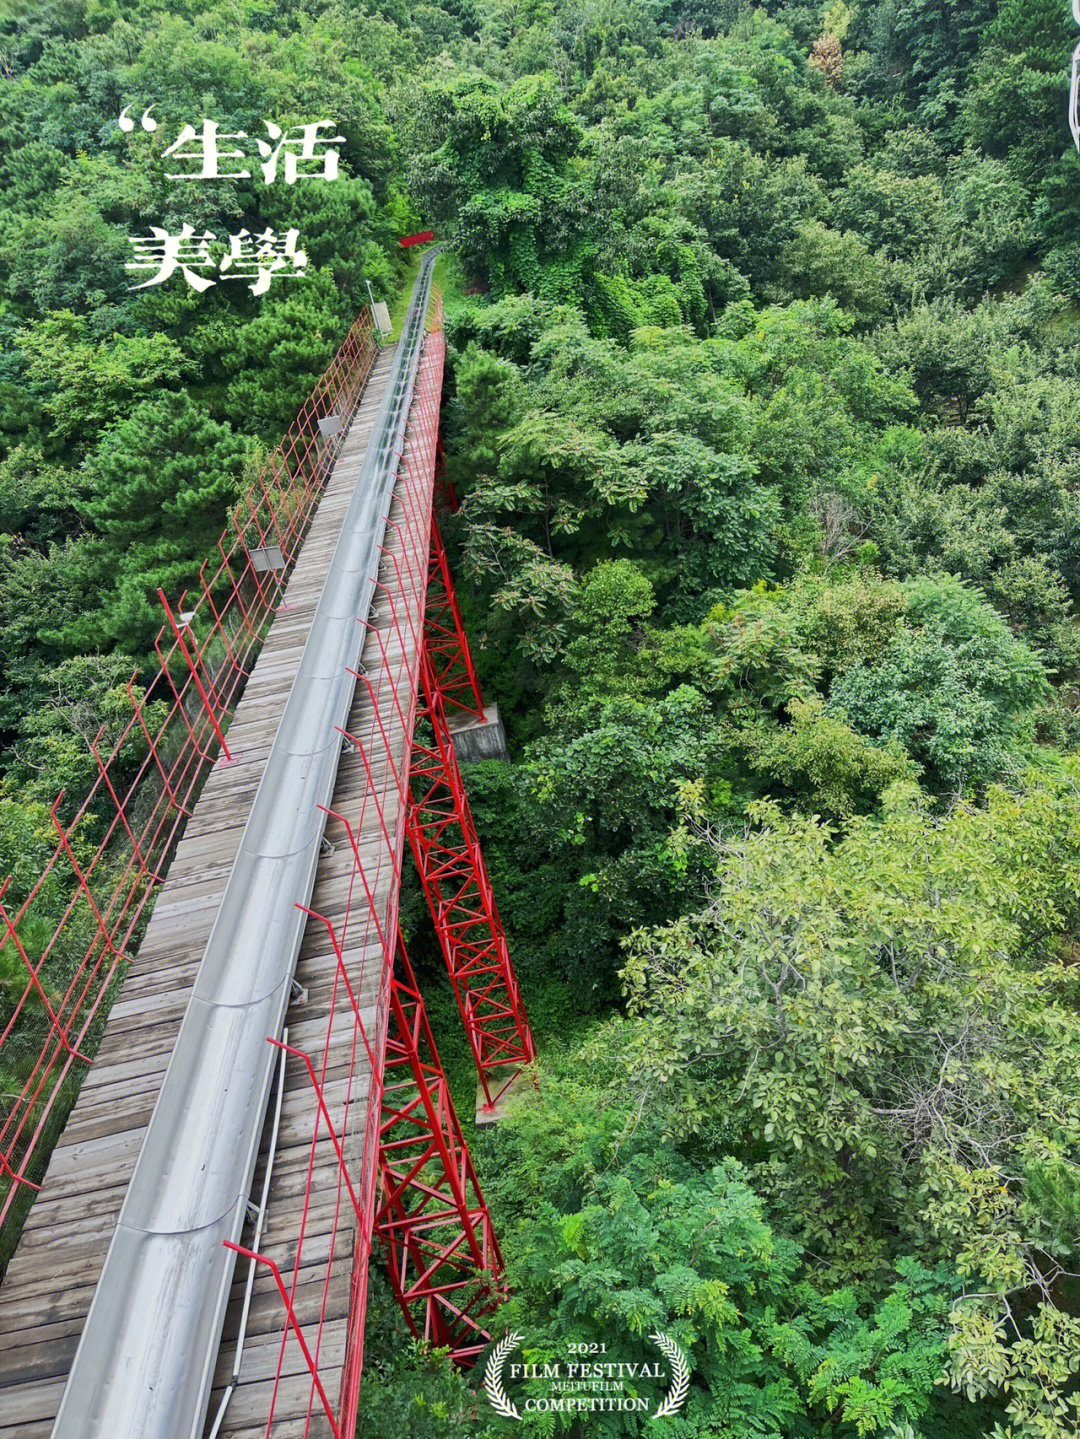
75,927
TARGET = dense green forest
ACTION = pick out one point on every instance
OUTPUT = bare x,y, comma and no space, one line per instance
763,404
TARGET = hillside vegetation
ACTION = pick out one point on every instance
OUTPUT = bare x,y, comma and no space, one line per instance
763,404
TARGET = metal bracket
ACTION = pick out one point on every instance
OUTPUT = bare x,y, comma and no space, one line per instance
298,992
325,847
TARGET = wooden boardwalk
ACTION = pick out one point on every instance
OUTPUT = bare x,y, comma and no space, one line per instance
47,1291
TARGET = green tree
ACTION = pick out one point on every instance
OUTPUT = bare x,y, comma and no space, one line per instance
84,386
618,1233
953,687
882,1021
496,162
163,478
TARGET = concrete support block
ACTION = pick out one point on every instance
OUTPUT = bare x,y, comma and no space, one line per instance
478,739
484,1115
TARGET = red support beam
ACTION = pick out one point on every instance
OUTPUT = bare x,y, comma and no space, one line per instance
414,1192
447,851
445,641
434,1228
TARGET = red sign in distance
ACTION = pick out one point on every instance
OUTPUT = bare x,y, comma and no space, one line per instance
421,239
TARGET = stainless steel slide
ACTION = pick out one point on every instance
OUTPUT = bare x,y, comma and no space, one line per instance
145,1363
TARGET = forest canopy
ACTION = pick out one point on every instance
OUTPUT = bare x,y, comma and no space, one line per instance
763,408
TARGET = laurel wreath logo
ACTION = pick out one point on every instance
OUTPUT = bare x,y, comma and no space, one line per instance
501,1402
493,1385
680,1375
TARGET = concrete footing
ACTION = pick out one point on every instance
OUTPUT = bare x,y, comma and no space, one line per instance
478,739
497,1111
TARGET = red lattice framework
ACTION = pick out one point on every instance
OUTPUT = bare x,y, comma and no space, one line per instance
447,851
445,843
112,849
453,674
416,1197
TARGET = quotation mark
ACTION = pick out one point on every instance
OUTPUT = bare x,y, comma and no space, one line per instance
127,124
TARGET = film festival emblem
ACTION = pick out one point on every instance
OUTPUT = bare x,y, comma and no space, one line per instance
588,1381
